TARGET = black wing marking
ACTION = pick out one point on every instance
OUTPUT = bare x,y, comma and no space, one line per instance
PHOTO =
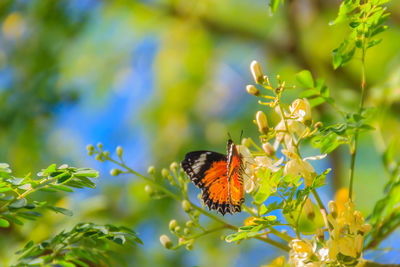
196,163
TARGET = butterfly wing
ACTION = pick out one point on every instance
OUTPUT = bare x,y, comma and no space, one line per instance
235,178
208,171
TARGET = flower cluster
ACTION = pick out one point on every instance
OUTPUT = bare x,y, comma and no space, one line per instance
294,126
344,246
346,228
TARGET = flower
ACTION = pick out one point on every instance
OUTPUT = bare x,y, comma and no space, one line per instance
252,165
301,110
297,166
296,129
347,232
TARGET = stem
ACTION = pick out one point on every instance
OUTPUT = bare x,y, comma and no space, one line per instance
353,150
298,217
248,210
321,208
281,235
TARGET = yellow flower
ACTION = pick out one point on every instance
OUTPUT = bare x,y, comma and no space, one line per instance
299,246
278,262
341,197
346,246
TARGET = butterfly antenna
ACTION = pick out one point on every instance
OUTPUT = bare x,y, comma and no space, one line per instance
229,135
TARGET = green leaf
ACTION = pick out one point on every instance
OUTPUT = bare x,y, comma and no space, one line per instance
388,157
265,189
20,203
66,212
316,101
5,189
305,79
4,223
309,93
61,187
274,4
87,172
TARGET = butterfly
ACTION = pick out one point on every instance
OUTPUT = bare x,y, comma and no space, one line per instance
219,176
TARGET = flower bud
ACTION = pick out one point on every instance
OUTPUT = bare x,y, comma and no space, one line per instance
246,142
256,72
165,241
318,125
106,154
174,166
90,149
100,145
250,221
181,240
149,190
164,173
309,209
196,214
151,170
366,228
332,208
189,224
171,179
269,149
172,225
119,151
251,89
115,172
262,122
178,229
99,157
186,205
320,234
186,231
189,246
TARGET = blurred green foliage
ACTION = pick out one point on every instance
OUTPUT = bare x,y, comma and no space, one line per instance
57,52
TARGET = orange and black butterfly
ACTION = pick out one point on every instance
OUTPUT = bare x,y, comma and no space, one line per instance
220,177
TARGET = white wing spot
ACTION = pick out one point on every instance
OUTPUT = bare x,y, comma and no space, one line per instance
198,163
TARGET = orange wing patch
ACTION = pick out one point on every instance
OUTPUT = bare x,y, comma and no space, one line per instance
235,177
216,187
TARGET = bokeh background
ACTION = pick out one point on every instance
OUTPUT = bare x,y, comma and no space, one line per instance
164,77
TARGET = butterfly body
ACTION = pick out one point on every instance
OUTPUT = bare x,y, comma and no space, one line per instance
219,177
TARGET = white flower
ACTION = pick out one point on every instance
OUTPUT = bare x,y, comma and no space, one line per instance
252,165
301,110
297,166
